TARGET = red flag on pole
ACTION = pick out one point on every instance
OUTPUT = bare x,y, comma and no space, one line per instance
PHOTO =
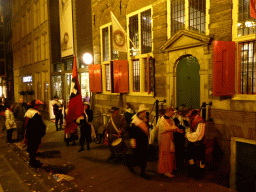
75,105
252,9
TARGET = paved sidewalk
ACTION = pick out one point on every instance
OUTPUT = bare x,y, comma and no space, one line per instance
92,172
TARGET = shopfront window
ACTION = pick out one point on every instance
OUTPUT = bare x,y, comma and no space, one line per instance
84,84
68,64
56,86
57,67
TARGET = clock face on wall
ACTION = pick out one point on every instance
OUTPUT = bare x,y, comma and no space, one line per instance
66,38
119,38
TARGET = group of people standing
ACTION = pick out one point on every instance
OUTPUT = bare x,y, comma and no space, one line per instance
84,122
180,133
24,118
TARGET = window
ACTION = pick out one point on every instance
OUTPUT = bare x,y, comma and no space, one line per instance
146,40
28,21
178,15
197,13
145,37
68,64
134,34
36,14
29,53
247,69
195,20
136,75
57,67
246,24
108,82
108,54
23,26
37,50
140,33
107,45
44,46
43,11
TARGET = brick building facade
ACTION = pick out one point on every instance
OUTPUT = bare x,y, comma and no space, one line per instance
183,32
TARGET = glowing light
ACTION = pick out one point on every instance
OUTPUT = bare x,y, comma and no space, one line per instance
87,58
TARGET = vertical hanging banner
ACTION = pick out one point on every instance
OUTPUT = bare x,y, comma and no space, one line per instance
75,105
119,37
252,9
66,27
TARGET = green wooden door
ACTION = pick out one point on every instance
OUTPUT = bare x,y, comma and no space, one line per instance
188,82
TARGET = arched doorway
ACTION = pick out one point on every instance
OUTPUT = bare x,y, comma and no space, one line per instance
188,82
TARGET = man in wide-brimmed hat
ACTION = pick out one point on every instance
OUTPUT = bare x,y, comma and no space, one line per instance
116,127
139,139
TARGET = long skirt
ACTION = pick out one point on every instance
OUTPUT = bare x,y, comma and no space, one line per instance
166,162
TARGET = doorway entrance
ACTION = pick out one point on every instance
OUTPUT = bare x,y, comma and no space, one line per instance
188,82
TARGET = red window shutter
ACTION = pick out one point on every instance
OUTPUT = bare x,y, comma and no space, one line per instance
121,76
115,77
224,68
91,78
95,78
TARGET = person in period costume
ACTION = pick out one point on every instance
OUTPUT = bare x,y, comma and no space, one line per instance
70,135
9,121
85,122
35,129
166,127
182,122
196,144
139,133
57,110
128,114
115,128
19,113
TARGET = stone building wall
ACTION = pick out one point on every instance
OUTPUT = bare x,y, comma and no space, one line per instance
101,16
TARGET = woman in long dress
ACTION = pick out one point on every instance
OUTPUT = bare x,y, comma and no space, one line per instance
166,128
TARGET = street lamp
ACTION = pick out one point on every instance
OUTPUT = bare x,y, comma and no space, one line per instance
87,58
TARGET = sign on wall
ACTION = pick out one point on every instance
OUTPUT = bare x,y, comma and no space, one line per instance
66,27
27,79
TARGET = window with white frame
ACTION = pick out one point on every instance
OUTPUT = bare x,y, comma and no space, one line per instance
196,18
247,68
246,24
140,33
108,54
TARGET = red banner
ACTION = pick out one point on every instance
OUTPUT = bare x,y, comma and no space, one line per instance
75,105
252,9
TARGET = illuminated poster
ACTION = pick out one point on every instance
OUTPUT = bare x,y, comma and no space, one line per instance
66,27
